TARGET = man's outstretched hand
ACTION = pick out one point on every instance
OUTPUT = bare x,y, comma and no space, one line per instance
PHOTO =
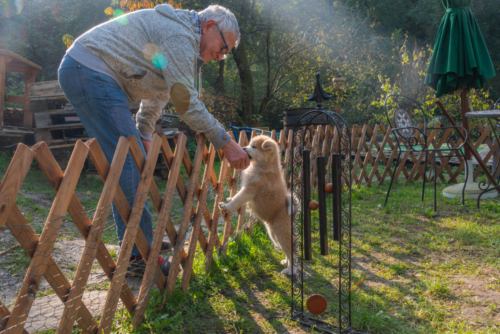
236,156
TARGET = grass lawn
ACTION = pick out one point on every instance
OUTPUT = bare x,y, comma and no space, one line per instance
422,273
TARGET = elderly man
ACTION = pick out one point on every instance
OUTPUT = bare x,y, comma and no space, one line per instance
151,55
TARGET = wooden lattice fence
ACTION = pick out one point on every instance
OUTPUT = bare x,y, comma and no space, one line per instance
95,310
76,307
374,152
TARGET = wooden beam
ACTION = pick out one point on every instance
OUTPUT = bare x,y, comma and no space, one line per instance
45,89
15,99
27,116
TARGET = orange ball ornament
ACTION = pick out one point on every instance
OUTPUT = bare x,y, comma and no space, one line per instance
316,304
329,188
313,205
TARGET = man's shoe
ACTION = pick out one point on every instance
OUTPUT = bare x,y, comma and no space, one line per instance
137,266
165,245
164,266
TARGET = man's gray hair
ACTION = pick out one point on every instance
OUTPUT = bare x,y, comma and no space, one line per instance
224,18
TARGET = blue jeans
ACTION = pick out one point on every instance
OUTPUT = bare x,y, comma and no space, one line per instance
104,111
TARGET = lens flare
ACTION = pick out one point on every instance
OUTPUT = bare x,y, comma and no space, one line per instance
121,19
159,61
10,8
117,13
149,50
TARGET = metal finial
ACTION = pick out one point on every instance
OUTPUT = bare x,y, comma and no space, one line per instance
319,94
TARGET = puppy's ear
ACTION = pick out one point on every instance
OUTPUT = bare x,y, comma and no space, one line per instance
269,144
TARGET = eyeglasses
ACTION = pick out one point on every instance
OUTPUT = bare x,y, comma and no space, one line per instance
225,49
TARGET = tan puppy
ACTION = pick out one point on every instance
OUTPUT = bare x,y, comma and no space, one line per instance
264,188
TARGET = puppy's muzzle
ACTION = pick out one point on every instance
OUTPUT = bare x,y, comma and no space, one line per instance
249,156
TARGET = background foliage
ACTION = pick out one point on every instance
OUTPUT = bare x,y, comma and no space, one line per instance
379,46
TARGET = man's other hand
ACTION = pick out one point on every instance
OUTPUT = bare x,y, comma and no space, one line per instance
236,156
146,144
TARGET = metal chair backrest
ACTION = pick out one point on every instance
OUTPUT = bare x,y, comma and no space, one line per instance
403,113
496,105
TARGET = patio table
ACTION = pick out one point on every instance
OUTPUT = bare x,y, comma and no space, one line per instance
490,115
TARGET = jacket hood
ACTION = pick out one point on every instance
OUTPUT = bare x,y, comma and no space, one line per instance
182,16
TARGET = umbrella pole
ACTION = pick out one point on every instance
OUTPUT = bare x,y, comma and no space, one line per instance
465,122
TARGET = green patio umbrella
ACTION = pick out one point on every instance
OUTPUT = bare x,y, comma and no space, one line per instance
460,57
460,61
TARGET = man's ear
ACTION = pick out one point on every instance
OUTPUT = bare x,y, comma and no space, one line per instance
207,25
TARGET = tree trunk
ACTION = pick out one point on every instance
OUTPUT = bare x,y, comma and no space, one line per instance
267,98
247,94
220,81
240,55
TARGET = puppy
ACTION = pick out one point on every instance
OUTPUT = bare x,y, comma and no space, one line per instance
264,188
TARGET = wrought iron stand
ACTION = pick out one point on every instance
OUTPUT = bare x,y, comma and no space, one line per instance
334,219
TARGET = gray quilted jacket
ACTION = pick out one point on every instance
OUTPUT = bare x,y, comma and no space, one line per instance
155,54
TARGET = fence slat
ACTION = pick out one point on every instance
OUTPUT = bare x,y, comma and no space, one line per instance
13,179
152,267
4,316
38,266
213,235
202,203
233,185
130,235
213,220
249,229
242,210
154,195
74,300
27,238
54,174
357,158
169,158
368,157
186,217
485,135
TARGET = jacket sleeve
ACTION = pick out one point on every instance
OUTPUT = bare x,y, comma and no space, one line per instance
178,60
149,112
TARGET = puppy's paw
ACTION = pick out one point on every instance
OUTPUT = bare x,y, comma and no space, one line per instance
284,262
222,207
287,271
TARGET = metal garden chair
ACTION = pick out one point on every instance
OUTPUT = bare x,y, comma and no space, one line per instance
406,117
